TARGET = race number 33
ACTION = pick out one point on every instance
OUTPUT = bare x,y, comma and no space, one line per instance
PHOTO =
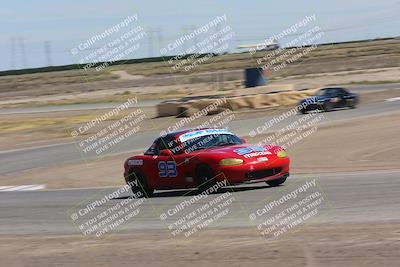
167,169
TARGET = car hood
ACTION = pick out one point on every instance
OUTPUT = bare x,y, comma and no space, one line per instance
247,152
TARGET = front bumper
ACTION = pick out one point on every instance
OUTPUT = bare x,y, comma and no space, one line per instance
285,175
254,172
314,106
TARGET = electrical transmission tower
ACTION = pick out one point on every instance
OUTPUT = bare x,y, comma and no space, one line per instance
47,52
12,53
23,52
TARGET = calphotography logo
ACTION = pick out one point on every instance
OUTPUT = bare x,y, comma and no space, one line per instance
103,215
112,45
302,42
199,212
110,130
200,46
290,210
201,133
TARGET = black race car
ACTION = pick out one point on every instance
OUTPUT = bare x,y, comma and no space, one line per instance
329,98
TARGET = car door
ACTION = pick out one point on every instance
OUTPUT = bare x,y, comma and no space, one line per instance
349,99
169,169
343,97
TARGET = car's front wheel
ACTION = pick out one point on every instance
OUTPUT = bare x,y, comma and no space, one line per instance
276,182
352,105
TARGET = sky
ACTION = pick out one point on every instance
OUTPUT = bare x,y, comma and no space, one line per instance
43,32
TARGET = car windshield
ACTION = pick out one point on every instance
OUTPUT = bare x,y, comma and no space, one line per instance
208,141
326,92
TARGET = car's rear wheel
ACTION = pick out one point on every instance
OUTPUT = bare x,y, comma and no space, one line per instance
276,182
141,184
205,177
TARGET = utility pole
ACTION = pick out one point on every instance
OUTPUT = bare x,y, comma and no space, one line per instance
218,29
160,39
47,52
184,47
12,53
195,39
150,45
23,52
154,33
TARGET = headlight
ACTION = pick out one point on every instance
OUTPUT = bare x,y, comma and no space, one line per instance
282,154
230,162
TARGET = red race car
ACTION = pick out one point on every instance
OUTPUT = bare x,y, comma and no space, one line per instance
201,158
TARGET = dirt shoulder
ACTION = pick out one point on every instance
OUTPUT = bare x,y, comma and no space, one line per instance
367,245
356,145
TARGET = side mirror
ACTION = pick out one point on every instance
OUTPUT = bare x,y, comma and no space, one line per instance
243,140
166,152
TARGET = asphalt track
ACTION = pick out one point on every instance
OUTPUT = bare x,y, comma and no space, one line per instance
348,198
146,103
13,161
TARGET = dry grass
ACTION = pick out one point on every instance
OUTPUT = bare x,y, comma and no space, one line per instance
387,48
